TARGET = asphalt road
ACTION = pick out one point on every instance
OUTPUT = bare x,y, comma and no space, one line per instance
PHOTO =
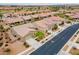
52,48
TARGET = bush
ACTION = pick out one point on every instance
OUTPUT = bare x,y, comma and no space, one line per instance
77,42
1,44
62,23
68,22
7,50
25,44
55,27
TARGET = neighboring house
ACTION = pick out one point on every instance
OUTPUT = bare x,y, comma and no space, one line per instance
44,15
12,20
44,11
27,18
23,31
74,15
47,23
35,17
26,31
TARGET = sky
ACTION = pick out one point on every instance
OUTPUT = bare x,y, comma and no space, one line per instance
31,3
35,3
39,1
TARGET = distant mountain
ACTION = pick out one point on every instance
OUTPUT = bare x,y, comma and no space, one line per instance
37,4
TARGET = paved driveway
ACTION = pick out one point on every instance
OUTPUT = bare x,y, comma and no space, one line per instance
33,43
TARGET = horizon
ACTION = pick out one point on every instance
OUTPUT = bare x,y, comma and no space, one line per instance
38,4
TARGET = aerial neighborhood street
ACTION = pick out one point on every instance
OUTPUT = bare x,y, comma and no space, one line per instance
39,30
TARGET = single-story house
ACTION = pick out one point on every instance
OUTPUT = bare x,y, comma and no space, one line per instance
12,20
23,31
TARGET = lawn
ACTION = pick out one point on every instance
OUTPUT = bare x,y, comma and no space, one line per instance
40,35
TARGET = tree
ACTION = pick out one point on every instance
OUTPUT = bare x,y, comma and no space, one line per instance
18,9
60,15
54,8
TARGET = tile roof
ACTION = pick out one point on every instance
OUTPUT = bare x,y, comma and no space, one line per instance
12,20
24,30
